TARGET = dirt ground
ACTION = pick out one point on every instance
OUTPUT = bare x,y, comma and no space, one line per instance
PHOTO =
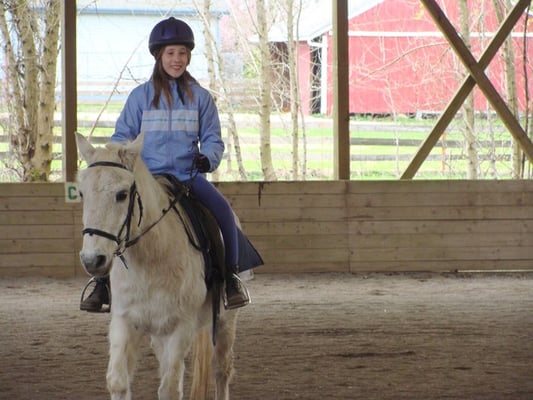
318,336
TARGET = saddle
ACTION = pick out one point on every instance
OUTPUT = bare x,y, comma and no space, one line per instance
204,233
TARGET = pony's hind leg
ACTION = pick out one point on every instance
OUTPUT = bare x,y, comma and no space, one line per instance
224,354
124,342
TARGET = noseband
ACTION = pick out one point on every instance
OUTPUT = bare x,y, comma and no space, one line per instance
122,238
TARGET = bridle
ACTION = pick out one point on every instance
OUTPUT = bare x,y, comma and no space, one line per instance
122,238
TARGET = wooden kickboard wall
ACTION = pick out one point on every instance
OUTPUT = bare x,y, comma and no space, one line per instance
319,226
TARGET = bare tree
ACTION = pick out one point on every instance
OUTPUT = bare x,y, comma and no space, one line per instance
265,90
215,68
30,35
286,95
293,84
510,80
468,106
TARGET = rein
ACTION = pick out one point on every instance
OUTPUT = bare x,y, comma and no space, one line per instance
124,242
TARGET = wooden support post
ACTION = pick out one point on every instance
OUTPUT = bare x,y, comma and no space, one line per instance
69,99
341,113
476,76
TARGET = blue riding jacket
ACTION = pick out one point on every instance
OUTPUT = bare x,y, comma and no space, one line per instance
174,133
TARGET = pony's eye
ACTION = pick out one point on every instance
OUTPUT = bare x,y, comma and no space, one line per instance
121,196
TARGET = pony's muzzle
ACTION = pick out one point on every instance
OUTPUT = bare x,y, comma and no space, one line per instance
94,264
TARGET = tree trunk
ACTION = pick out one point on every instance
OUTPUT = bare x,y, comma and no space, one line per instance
31,79
265,91
468,106
213,86
510,79
12,90
293,85
42,161
220,87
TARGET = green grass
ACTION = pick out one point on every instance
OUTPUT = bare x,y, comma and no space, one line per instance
319,148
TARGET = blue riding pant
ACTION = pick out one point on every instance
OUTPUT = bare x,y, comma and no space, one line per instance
210,197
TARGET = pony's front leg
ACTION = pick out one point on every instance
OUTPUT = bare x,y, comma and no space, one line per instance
124,343
171,351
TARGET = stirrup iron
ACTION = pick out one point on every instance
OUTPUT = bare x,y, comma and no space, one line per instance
92,284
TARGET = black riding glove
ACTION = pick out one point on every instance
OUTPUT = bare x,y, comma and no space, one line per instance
201,162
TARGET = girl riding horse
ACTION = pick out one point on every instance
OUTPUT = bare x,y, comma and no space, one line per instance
182,132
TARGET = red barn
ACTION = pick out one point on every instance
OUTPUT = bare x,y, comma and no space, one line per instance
400,62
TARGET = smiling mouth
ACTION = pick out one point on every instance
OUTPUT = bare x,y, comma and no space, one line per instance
175,70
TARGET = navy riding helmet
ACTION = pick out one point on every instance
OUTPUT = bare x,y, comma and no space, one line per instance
170,31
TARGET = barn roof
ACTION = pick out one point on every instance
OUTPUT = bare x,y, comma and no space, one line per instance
317,18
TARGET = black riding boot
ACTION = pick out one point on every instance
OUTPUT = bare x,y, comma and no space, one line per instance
236,295
99,297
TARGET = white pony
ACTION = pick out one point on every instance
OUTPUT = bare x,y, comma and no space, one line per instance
157,276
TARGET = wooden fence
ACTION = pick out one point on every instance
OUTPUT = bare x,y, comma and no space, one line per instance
101,140
333,226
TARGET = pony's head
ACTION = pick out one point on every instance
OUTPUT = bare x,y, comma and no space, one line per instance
110,208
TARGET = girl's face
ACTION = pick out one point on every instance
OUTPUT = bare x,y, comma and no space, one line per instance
175,59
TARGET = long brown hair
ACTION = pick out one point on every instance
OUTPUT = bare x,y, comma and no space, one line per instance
161,81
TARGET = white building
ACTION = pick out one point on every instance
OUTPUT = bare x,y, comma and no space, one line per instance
112,42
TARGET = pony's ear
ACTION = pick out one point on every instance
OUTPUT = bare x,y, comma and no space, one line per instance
138,142
131,151
86,149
